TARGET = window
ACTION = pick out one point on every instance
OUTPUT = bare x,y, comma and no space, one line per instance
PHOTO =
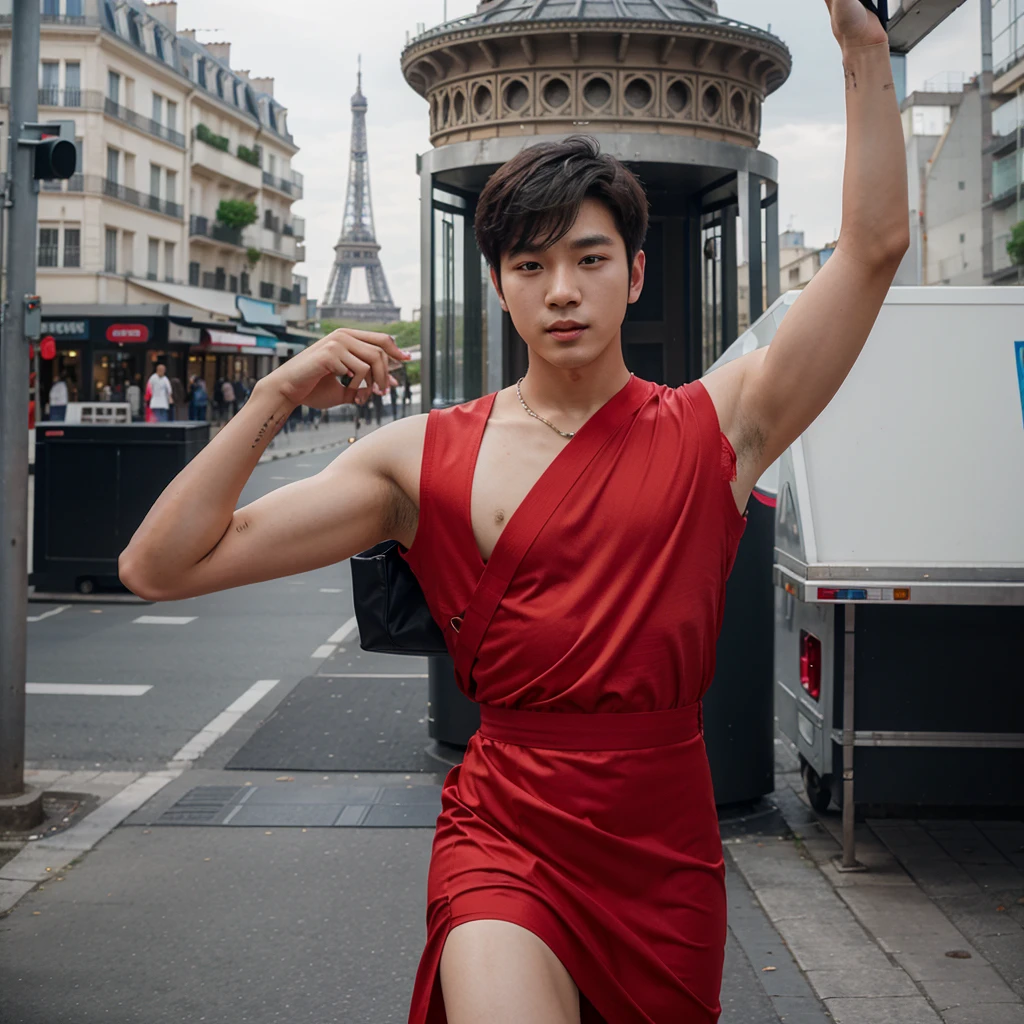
794,275
50,85
171,187
963,238
72,84
128,252
74,8
51,9
113,87
168,261
113,162
133,28
153,259
72,247
48,247
272,165
154,180
193,274
110,251
961,185
158,43
220,83
201,72
172,116
108,12
158,108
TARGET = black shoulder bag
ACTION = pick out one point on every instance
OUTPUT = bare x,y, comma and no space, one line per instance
391,611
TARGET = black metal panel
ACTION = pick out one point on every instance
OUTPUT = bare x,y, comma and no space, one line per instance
94,486
738,708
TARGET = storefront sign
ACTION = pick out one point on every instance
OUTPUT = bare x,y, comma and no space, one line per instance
121,333
71,330
188,335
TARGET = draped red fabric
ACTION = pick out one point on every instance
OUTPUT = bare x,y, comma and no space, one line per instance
583,809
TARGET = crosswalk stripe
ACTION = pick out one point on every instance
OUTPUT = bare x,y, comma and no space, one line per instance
344,633
87,689
46,615
164,620
324,651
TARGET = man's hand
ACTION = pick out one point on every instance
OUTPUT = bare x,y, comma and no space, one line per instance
854,25
312,377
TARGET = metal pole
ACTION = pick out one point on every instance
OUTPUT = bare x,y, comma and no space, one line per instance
21,281
849,862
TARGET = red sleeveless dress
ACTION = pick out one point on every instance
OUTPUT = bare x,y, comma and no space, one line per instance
583,809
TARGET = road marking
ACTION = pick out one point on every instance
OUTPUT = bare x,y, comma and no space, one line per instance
372,675
330,590
324,650
205,738
87,689
344,633
46,615
165,620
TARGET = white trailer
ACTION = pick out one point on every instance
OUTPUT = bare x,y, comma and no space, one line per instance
899,561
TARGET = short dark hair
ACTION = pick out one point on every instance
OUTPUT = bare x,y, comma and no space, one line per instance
532,201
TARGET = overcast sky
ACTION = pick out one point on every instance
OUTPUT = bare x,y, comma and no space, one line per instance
310,48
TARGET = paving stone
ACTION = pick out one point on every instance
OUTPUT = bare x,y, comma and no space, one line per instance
931,943
883,1010
31,864
11,890
782,902
820,945
985,1013
885,910
927,967
772,865
848,982
70,781
797,1010
970,983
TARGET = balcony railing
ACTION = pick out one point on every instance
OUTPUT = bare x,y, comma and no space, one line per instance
298,228
206,228
124,194
291,186
93,99
266,290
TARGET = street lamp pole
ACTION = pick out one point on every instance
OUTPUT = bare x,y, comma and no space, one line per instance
22,202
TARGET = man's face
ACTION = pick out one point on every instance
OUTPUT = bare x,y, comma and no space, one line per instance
582,278
160,369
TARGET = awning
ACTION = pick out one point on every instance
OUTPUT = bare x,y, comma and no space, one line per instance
237,344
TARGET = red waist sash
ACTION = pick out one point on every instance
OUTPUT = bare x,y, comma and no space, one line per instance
591,731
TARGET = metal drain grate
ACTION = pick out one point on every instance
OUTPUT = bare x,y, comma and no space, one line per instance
337,806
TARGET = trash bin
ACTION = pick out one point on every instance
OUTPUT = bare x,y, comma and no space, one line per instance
94,484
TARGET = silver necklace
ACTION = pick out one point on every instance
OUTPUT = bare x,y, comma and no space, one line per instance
565,433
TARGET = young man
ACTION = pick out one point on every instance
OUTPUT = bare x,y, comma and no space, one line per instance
572,535
161,394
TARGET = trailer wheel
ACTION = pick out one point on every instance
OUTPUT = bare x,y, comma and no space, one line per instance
817,788
86,586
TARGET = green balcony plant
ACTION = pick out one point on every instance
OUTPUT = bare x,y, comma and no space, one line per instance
1015,245
250,156
211,138
237,213
252,255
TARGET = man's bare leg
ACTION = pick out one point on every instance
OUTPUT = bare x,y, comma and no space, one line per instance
501,973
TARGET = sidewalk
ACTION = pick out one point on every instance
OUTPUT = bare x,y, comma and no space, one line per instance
932,932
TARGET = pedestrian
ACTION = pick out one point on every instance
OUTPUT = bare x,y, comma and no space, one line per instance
241,393
58,399
198,399
160,394
378,406
394,403
227,396
572,535
134,396
406,393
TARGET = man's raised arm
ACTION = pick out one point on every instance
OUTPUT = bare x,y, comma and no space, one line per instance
766,399
193,541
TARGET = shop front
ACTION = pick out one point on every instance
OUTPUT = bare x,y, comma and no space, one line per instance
102,350
226,355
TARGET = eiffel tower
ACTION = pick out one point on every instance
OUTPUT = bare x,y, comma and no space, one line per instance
358,246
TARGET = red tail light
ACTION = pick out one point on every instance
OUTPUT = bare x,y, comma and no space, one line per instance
810,663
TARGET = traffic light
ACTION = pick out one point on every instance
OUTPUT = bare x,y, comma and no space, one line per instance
54,145
55,158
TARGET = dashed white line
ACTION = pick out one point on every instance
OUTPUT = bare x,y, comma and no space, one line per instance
87,689
330,590
372,675
324,650
203,739
164,620
46,615
344,633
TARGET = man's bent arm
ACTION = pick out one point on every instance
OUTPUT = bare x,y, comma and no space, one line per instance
767,399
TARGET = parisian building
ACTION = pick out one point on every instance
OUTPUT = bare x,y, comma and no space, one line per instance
145,254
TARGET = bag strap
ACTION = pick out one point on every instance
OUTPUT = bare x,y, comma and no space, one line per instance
531,516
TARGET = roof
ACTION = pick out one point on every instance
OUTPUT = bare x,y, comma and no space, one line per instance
679,12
